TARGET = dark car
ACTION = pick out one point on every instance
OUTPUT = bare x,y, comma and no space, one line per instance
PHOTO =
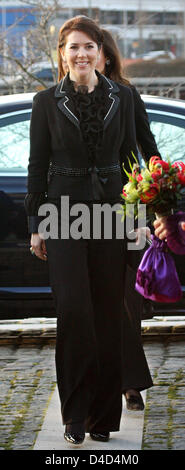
24,280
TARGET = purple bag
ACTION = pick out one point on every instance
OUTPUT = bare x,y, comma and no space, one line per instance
176,237
157,277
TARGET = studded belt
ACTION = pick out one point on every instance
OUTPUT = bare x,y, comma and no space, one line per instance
55,169
99,176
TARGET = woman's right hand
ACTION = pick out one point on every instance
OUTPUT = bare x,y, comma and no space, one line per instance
38,246
160,226
182,224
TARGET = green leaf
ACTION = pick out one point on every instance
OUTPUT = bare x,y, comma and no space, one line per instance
128,174
136,160
130,165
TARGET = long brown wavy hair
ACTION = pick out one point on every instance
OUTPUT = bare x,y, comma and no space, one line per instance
113,70
77,23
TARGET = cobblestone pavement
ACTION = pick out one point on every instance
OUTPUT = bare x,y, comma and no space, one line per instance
27,379
164,426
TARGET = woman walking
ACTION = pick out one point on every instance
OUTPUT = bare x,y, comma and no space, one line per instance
135,373
82,130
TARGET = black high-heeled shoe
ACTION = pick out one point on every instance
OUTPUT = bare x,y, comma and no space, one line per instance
134,401
74,433
100,436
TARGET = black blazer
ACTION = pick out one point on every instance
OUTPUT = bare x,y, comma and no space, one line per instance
145,139
55,136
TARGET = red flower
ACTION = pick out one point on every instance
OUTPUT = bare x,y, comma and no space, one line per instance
154,159
155,185
165,165
179,165
139,178
156,175
150,194
155,162
181,178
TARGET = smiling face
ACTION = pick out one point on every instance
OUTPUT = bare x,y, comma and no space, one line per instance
80,54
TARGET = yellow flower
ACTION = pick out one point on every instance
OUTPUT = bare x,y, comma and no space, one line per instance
143,186
132,197
130,186
146,174
153,163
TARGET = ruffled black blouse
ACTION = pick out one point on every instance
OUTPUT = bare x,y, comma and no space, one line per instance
90,110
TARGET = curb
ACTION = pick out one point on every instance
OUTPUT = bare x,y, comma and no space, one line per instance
44,329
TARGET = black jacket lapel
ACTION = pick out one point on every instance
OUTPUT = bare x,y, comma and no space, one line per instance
65,103
112,100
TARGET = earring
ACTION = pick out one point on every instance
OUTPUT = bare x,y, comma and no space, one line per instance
108,62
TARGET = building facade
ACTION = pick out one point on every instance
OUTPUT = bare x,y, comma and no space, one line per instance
16,18
139,26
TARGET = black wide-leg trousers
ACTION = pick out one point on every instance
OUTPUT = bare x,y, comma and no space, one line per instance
86,278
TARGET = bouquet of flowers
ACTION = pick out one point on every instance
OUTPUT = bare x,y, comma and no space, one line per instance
159,187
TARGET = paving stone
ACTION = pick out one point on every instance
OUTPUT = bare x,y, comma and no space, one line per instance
22,376
154,349
179,419
29,371
176,349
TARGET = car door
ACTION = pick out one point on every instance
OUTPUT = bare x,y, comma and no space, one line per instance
168,128
23,278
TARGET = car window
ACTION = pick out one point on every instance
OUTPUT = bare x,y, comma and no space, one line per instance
169,133
14,142
44,73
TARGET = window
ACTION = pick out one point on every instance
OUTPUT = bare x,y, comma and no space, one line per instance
170,18
169,133
111,17
92,12
131,17
80,11
14,138
162,18
153,17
